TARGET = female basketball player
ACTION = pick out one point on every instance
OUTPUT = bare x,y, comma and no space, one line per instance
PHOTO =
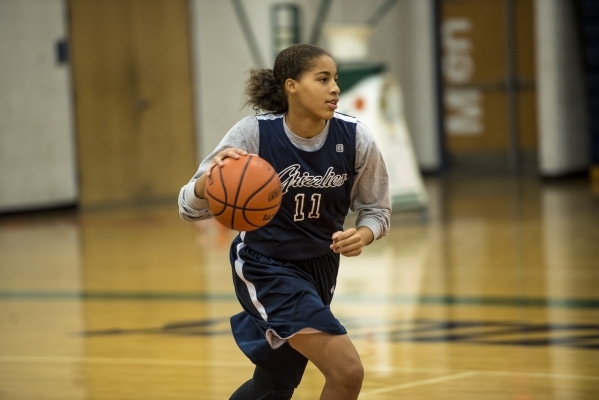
285,273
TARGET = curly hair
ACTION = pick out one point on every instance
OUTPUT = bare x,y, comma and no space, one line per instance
265,87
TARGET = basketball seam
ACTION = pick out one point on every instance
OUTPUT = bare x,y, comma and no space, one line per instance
230,205
245,167
253,194
222,183
214,199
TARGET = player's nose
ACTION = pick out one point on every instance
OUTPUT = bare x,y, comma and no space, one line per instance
335,88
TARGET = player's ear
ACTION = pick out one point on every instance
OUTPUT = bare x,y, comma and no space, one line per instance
290,85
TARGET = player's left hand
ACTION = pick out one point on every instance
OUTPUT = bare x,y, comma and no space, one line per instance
350,242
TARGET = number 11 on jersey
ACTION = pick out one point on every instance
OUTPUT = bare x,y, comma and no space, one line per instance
299,206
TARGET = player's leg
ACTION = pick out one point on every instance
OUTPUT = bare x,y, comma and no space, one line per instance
337,358
277,374
263,386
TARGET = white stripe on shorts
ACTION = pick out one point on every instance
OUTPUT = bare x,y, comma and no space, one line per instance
251,288
276,341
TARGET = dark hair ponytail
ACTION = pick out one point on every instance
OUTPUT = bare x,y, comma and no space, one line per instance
265,87
264,92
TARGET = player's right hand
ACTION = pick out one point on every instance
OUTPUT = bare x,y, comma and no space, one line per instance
221,155
200,184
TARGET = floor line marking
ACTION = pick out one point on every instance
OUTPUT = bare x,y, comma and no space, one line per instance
243,364
541,375
491,301
546,375
419,383
122,361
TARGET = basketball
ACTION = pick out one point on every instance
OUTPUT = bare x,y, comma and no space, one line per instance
245,193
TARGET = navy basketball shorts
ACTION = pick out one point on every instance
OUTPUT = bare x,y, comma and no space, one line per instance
281,299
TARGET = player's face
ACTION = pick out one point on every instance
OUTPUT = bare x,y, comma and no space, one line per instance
317,92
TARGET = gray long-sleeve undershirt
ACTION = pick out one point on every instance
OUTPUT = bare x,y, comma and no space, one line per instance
370,190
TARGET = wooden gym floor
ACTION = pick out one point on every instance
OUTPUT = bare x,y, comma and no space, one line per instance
494,296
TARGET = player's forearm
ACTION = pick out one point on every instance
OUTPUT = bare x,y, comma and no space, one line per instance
199,186
192,208
366,235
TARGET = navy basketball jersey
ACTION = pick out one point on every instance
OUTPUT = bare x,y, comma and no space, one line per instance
316,188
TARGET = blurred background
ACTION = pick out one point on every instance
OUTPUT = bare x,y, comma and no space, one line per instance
487,113
116,102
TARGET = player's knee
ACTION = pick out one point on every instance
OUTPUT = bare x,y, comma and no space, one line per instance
348,375
354,375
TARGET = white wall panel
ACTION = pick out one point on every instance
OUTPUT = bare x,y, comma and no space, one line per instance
561,98
37,167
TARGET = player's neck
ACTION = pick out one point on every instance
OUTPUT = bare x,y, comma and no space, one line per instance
304,127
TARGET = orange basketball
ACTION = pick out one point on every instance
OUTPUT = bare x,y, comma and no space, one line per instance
245,193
